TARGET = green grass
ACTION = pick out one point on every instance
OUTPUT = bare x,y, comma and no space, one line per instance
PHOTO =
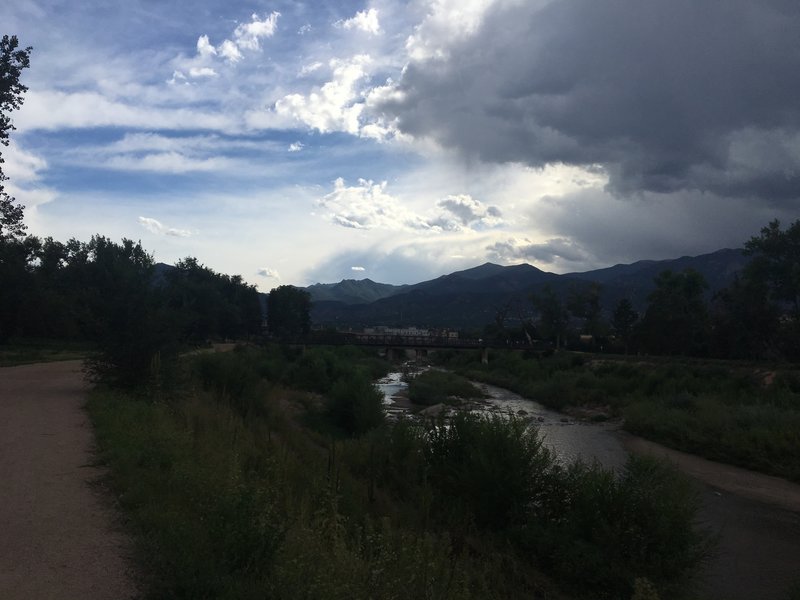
29,351
230,495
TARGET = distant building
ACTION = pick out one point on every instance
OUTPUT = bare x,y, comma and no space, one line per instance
383,330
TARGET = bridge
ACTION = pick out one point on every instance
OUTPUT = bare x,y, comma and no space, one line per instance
422,343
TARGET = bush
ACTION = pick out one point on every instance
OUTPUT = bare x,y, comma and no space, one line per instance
486,469
436,387
610,530
355,405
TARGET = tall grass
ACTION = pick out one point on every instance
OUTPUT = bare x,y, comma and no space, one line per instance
230,495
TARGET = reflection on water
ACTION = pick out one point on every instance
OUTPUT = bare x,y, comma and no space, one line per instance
570,439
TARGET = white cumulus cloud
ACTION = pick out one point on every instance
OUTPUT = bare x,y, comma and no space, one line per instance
247,35
157,227
368,205
268,273
230,51
337,105
204,46
364,20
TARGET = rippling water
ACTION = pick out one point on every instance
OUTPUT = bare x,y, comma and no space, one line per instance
570,439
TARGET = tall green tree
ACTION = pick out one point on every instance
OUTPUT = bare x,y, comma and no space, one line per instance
583,302
288,312
210,305
676,321
776,261
745,323
127,315
553,316
13,60
623,319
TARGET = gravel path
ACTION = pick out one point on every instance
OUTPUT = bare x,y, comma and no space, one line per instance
58,537
757,518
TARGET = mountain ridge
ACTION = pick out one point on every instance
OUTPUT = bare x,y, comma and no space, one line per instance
471,297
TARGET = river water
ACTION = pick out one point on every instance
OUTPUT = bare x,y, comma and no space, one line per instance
569,439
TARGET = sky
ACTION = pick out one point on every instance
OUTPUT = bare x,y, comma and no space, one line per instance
299,142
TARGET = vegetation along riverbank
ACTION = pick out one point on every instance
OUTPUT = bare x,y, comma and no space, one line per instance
745,414
242,480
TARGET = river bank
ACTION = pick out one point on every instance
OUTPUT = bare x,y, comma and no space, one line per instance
755,517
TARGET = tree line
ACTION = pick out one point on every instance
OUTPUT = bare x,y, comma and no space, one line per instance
135,312
756,317
113,294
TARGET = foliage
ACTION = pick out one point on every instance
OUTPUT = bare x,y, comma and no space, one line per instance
124,315
210,305
553,316
745,324
435,387
13,60
227,503
485,469
584,303
720,410
603,528
355,404
777,259
108,293
288,310
676,321
36,350
623,319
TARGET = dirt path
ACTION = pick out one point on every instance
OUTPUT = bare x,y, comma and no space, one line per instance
757,518
58,538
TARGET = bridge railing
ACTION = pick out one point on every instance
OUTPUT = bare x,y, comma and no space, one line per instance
336,338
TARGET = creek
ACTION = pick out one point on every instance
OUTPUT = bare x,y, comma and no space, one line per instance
568,438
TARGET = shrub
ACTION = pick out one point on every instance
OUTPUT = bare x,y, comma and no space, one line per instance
485,469
355,404
610,530
435,387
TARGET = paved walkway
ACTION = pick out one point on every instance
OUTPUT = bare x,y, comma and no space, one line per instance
58,537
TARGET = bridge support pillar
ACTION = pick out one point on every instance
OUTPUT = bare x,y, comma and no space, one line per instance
484,356
396,353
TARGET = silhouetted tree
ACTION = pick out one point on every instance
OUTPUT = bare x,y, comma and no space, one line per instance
12,61
623,319
676,321
288,312
745,323
553,316
584,303
211,305
776,262
128,317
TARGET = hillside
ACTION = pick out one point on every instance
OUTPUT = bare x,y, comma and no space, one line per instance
471,298
352,291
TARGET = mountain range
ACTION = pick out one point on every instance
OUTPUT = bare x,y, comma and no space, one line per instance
471,298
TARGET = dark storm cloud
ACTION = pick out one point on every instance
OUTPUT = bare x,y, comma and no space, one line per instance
666,95
614,230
